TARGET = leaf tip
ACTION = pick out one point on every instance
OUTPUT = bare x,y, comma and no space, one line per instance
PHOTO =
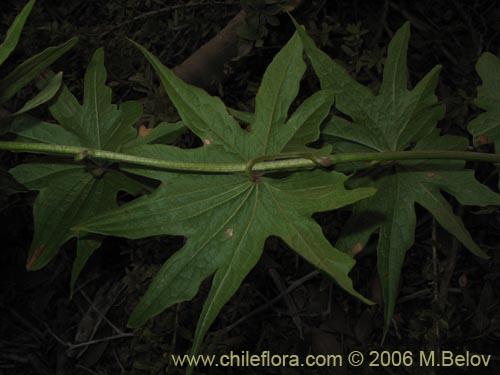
367,192
135,44
365,300
71,42
135,322
294,20
34,257
483,255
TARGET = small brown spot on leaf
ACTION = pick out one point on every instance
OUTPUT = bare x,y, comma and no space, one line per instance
357,248
483,140
229,232
207,142
144,131
36,254
430,174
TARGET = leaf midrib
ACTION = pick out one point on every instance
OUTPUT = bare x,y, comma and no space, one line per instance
204,244
96,111
270,120
203,323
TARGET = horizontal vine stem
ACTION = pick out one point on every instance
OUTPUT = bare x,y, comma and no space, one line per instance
295,163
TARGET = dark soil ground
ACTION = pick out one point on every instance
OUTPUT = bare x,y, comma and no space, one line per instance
38,320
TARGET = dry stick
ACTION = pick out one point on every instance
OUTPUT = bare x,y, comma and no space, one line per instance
117,359
418,294
396,329
292,286
90,371
278,281
97,323
72,346
435,278
448,273
170,9
173,343
33,331
382,23
424,293
100,313
424,25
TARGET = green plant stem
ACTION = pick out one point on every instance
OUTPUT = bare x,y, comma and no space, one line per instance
80,153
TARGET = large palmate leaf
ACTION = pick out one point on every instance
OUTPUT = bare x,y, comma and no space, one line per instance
486,127
227,218
394,120
72,192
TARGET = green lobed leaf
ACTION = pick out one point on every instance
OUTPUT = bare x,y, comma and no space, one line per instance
47,93
244,117
31,69
485,128
98,123
31,129
68,194
227,218
394,120
71,193
14,32
278,89
204,115
307,120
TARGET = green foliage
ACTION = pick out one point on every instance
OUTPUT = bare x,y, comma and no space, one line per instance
396,119
228,218
29,69
14,32
486,127
71,192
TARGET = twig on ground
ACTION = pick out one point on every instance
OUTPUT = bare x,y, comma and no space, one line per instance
171,8
292,286
278,281
448,273
382,24
72,346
